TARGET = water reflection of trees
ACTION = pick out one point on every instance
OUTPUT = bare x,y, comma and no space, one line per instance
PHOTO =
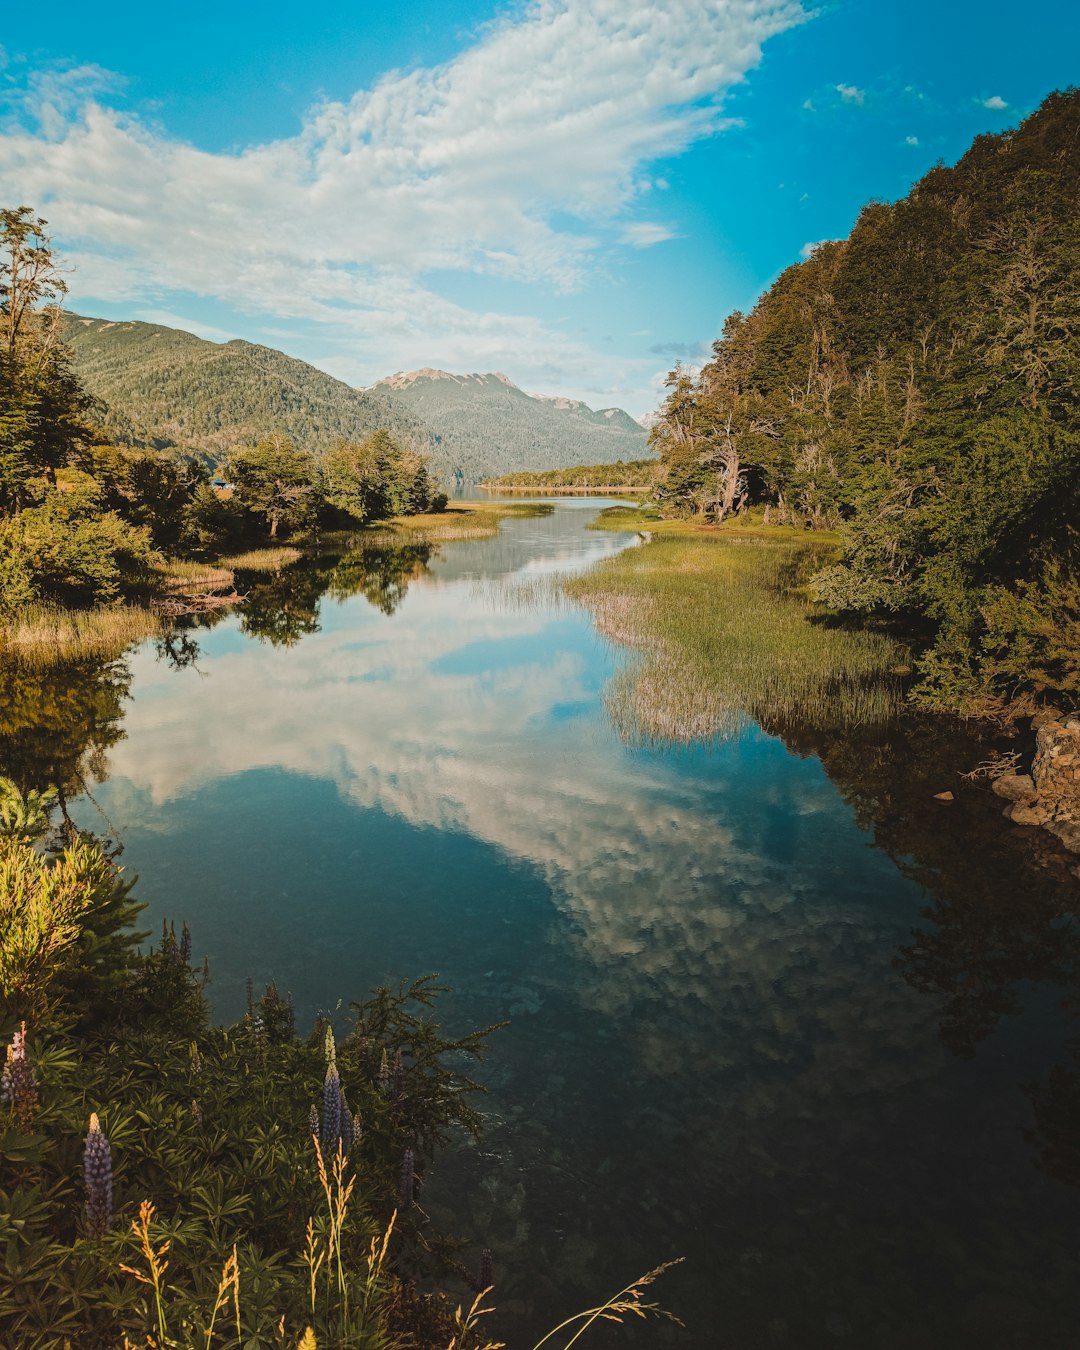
57,724
1003,920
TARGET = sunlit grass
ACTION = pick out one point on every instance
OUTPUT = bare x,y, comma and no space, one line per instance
726,634
262,560
44,635
460,520
176,575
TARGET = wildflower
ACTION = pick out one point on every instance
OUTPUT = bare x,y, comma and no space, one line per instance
18,1085
408,1178
397,1081
196,1060
384,1073
313,1121
331,1047
249,985
97,1171
487,1269
184,954
346,1126
196,1113
331,1120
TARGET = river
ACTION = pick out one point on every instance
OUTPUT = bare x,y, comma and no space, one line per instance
722,1043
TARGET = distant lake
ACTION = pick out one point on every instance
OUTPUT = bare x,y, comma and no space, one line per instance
724,1043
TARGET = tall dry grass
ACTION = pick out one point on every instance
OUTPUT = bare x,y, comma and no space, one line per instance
45,635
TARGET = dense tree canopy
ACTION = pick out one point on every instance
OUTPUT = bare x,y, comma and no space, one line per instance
915,386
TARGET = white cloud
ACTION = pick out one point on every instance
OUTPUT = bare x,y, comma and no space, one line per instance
850,94
476,166
911,140
645,233
810,248
995,103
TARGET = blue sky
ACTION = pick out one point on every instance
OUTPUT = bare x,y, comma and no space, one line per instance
575,193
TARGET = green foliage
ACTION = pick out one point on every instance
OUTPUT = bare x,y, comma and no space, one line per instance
276,481
636,474
376,479
915,385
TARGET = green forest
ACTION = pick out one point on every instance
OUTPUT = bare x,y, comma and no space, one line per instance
85,522
914,386
633,475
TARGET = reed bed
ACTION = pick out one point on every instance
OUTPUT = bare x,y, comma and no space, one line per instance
44,635
189,578
262,560
725,634
462,520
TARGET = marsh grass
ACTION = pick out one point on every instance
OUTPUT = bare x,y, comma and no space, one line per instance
726,634
189,578
45,635
262,560
460,520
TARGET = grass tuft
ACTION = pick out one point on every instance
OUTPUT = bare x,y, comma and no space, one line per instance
45,635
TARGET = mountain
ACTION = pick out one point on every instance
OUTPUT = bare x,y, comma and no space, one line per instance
167,388
485,425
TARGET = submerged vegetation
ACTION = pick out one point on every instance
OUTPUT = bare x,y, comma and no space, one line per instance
915,386
726,633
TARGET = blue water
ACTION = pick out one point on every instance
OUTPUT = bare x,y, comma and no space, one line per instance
712,1053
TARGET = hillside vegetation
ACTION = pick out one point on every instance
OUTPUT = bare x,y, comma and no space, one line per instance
915,385
485,425
165,388
639,475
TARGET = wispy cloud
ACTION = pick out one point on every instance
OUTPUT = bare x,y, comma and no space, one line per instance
478,166
645,233
995,103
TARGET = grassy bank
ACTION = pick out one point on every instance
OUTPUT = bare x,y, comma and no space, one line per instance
41,635
460,520
725,632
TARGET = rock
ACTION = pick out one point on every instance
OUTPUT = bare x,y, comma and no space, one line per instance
1043,716
943,797
1022,814
1015,787
1068,831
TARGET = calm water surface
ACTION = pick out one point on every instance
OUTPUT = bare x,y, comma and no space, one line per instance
717,1048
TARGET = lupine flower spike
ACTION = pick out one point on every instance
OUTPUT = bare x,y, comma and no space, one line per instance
384,1073
185,945
331,1119
408,1178
313,1121
18,1086
487,1269
97,1171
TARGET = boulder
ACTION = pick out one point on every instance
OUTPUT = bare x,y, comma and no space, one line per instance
1020,813
1015,787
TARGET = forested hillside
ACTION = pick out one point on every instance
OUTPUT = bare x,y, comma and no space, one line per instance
916,386
485,425
163,387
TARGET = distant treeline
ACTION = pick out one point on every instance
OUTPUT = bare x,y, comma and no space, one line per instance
915,385
632,475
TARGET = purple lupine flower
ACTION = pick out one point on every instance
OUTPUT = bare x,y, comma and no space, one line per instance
397,1081
331,1120
384,1073
346,1126
408,1178
185,946
313,1122
97,1171
487,1269
18,1085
